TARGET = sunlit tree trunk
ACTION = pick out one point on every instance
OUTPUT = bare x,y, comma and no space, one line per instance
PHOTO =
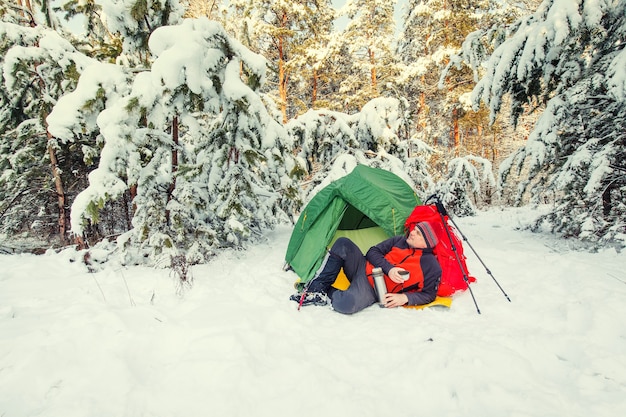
494,147
172,187
422,107
314,89
197,8
282,77
52,153
58,186
372,57
456,132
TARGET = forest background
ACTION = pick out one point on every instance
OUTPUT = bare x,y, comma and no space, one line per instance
166,130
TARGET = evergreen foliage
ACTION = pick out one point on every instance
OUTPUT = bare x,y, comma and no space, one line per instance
207,161
468,185
96,40
321,135
38,67
135,20
369,41
433,33
177,140
294,37
335,142
570,55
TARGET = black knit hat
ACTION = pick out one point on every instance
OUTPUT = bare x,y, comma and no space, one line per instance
429,235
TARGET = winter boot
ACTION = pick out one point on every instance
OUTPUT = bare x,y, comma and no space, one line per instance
310,298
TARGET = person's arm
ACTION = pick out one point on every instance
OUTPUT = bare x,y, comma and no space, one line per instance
396,299
432,276
376,254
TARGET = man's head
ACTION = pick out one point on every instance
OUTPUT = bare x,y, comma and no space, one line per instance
422,235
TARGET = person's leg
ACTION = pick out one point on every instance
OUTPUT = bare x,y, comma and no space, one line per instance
360,293
343,254
358,296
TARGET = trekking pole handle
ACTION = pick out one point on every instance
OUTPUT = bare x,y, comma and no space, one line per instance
432,197
440,207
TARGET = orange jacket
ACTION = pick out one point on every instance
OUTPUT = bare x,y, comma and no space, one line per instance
408,259
424,269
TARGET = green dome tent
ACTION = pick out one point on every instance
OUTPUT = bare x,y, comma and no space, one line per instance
368,205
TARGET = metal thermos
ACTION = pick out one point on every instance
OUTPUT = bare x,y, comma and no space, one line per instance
379,285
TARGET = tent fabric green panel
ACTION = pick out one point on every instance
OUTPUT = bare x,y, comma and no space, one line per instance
313,231
364,198
354,219
363,238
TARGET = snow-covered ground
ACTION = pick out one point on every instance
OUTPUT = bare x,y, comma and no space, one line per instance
125,342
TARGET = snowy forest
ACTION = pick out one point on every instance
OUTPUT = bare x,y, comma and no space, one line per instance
167,130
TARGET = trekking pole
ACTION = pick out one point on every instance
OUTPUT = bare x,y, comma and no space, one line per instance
481,261
439,205
442,212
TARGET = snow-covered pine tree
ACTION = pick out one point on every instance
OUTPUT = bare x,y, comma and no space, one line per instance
74,117
211,167
94,38
433,31
213,10
134,21
290,34
310,66
74,120
38,67
334,141
249,164
469,183
321,135
369,39
377,129
336,66
570,54
417,166
377,126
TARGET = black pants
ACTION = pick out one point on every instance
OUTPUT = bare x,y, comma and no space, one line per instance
360,294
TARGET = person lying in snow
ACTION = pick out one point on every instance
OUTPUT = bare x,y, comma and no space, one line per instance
412,252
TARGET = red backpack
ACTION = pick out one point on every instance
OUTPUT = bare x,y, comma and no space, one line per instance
453,272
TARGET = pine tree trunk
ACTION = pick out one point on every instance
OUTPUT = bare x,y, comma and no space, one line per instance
422,108
172,187
314,92
282,77
54,162
27,9
607,203
372,56
480,140
58,185
455,130
129,206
